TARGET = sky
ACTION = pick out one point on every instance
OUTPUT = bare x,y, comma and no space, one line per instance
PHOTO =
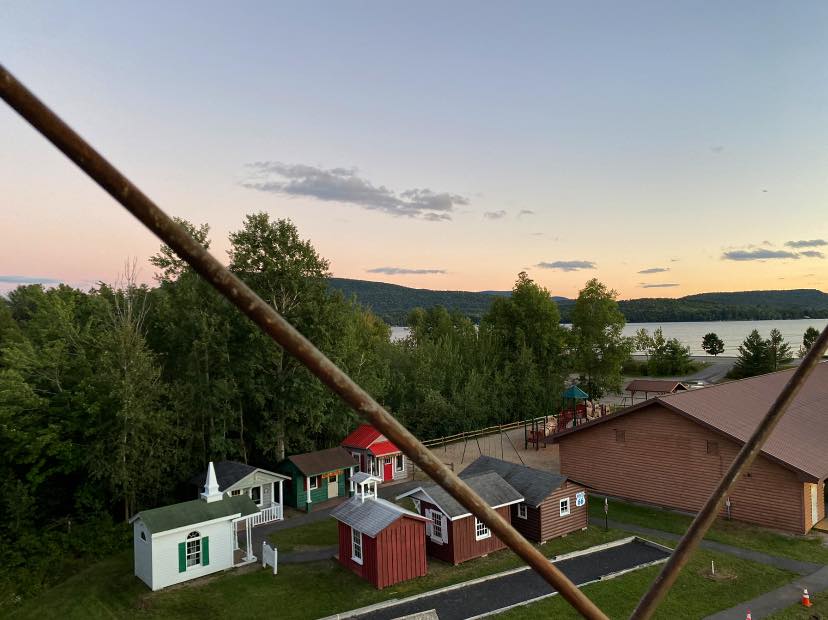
664,148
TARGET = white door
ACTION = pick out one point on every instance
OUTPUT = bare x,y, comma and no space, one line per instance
814,503
333,486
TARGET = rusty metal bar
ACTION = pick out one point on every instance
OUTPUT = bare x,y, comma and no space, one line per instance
704,519
247,301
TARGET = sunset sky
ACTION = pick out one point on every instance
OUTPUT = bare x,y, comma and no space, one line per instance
665,148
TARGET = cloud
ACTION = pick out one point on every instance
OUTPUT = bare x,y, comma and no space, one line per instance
744,255
523,212
403,271
655,270
663,285
346,186
812,254
807,243
27,280
494,215
717,149
674,260
567,265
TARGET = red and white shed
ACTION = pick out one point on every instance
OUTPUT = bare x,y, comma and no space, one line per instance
375,454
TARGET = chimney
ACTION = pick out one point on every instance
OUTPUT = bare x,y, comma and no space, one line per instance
211,491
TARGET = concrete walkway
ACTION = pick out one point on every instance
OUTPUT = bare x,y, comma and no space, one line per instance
795,566
488,595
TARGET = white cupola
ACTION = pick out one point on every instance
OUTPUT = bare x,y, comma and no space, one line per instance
211,491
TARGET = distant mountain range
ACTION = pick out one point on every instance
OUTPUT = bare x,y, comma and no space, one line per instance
393,303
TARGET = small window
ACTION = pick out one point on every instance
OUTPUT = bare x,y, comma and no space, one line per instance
356,546
620,436
713,447
314,482
564,506
521,510
256,495
399,462
437,524
193,549
333,478
235,492
143,536
480,530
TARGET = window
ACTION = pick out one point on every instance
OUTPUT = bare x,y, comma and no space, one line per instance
356,458
437,525
235,492
143,536
620,436
256,495
480,530
713,447
356,546
314,482
375,467
521,510
564,506
399,462
193,549
334,478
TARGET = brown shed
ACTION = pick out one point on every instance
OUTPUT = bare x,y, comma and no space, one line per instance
553,505
453,534
672,450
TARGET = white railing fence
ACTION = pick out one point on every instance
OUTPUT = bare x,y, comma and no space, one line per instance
269,556
266,515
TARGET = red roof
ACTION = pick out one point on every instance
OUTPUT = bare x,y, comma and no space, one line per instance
382,448
362,437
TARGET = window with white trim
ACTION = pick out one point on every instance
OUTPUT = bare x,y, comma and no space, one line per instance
314,482
235,492
564,506
399,462
256,495
521,510
356,546
193,549
480,530
437,524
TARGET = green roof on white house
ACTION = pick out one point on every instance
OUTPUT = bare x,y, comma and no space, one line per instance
172,517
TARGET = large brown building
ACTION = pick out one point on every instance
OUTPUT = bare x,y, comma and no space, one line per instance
672,450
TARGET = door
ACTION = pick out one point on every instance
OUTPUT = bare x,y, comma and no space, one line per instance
387,469
333,486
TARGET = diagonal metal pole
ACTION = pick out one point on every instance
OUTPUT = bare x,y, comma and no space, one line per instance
248,302
704,519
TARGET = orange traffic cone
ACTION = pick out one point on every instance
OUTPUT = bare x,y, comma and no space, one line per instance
806,599
748,617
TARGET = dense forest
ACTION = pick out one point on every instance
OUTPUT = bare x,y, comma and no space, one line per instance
112,398
393,303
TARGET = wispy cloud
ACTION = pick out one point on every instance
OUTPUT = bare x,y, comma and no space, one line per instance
567,265
760,254
807,243
403,271
494,215
812,254
661,285
523,212
655,270
344,185
28,280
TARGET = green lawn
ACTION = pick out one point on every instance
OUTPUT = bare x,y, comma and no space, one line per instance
694,595
808,548
797,611
109,590
323,533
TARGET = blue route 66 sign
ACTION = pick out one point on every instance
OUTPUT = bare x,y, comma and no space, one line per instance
580,498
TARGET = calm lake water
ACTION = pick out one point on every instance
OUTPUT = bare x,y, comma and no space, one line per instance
691,333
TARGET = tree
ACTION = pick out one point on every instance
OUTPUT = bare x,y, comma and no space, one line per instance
599,348
642,341
808,339
753,359
712,344
779,351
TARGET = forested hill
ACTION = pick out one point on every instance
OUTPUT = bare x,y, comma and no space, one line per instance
393,303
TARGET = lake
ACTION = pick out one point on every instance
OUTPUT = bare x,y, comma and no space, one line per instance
691,333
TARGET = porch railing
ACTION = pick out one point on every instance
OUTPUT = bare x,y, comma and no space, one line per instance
266,515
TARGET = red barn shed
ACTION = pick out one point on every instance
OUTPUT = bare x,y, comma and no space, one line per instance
454,534
379,541
375,454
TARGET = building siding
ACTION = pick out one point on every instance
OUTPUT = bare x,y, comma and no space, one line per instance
545,522
296,494
142,551
165,554
665,459
461,545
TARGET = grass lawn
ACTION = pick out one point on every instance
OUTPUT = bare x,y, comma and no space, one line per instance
808,548
323,533
694,595
797,611
108,589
